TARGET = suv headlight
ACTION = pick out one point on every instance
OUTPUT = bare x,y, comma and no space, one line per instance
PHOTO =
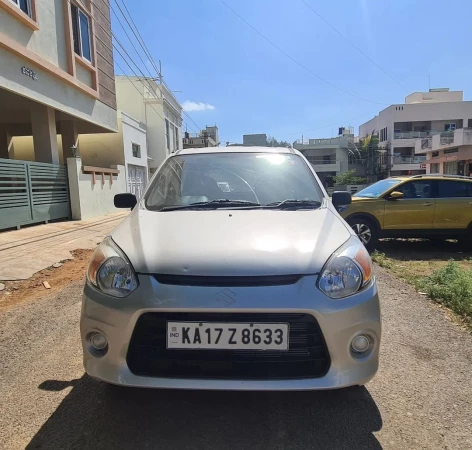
347,271
110,271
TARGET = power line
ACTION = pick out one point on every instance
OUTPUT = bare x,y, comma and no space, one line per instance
333,124
138,36
126,62
144,76
298,63
350,42
136,65
135,49
143,45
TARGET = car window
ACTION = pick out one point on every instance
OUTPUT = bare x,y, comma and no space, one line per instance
452,189
416,189
257,177
377,189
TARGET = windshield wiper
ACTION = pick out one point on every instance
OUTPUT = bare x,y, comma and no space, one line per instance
295,204
222,202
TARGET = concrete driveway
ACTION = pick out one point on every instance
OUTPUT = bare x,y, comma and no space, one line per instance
50,243
421,398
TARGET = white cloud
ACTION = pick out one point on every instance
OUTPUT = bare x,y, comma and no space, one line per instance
197,106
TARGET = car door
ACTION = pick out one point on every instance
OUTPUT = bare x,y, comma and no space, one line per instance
415,211
453,205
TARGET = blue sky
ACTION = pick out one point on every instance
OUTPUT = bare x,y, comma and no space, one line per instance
248,86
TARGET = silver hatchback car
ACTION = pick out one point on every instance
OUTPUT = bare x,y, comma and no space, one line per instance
234,271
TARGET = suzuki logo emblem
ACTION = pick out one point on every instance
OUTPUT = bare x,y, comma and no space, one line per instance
226,297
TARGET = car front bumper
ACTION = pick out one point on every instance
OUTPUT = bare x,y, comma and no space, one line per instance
339,320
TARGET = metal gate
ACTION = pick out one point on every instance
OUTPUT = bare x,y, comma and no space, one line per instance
136,179
32,192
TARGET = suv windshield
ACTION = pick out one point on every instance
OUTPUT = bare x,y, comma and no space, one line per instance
237,180
377,189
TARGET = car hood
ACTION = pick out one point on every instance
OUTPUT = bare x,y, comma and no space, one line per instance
231,242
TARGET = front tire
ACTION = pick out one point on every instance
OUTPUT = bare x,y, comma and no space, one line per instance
366,231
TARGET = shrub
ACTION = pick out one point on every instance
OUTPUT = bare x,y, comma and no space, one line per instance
348,178
451,286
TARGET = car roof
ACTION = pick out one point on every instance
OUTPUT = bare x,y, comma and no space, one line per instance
235,149
433,177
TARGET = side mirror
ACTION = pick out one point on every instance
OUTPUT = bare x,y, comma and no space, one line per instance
341,198
395,195
125,200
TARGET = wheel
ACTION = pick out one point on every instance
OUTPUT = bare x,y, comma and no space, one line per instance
365,230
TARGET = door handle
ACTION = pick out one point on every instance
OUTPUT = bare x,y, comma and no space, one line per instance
427,204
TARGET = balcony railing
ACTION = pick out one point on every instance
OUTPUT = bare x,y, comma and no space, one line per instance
408,159
446,138
426,143
413,134
315,160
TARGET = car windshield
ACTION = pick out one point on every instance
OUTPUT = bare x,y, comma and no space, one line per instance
377,189
232,180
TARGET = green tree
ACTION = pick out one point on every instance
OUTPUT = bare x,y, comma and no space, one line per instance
369,150
272,142
348,177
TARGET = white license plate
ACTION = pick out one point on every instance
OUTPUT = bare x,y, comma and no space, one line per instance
227,336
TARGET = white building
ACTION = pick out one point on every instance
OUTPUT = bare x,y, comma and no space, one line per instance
127,148
156,107
206,138
56,83
423,115
331,156
449,152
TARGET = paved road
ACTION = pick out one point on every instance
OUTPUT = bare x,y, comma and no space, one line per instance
421,398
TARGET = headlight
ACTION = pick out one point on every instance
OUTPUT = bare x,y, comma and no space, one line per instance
347,271
110,271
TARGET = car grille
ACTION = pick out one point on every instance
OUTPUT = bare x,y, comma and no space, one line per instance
231,281
307,356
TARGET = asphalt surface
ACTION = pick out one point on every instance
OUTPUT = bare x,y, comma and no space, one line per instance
421,397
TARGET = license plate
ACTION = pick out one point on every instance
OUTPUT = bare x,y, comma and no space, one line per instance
227,336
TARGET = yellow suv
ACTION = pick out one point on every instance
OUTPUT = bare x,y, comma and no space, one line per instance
421,206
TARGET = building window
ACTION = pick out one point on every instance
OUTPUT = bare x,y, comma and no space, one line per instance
449,127
176,138
434,154
434,168
81,33
451,150
167,135
383,134
172,137
451,168
136,150
24,5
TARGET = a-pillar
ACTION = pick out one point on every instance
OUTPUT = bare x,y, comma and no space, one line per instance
5,142
43,123
70,138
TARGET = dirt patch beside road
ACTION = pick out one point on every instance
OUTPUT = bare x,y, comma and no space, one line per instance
58,278
440,270
411,259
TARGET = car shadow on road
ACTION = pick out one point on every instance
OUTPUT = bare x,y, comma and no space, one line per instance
97,416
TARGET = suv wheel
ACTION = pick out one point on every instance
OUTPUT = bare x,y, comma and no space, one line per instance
365,230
